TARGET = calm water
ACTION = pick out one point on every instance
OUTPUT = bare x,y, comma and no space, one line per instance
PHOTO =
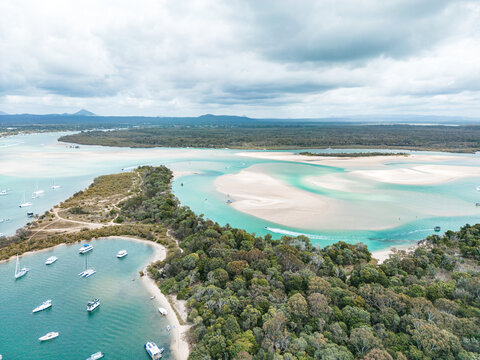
28,162
125,320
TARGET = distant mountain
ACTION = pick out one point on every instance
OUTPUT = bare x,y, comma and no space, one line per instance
83,112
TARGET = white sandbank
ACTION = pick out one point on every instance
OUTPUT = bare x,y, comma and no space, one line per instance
348,162
261,195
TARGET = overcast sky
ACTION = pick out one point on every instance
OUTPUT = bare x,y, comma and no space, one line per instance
256,58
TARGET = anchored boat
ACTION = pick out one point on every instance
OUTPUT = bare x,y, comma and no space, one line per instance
49,336
45,305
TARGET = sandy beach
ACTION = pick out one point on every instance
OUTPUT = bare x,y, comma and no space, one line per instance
382,255
178,344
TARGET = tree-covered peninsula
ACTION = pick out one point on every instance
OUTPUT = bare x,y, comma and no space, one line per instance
255,297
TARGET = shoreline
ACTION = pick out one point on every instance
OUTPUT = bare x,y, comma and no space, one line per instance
179,347
384,254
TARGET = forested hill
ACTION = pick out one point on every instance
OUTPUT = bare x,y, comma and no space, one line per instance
251,134
252,297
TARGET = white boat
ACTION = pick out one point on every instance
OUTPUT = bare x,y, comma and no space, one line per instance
87,273
92,305
96,356
45,305
55,187
4,192
122,253
153,351
20,272
49,336
37,192
162,311
24,203
168,328
85,248
51,260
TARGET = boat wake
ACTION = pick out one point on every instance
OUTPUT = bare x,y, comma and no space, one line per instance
294,233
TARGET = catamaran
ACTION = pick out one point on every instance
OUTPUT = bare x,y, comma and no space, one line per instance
122,253
51,260
92,305
45,305
153,351
96,356
87,272
24,203
55,187
49,336
21,272
37,192
85,248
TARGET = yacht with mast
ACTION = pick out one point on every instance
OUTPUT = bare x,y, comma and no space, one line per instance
20,272
24,203
54,186
37,192
87,272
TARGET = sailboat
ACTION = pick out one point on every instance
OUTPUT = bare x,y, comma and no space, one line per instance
21,272
37,192
55,187
24,203
87,272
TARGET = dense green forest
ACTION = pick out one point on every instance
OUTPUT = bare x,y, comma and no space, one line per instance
253,297
289,135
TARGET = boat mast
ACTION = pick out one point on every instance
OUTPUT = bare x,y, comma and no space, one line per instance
16,266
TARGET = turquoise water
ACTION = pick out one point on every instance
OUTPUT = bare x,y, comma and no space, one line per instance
31,161
125,320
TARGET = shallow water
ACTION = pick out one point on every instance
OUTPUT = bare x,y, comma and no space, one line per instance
35,161
125,320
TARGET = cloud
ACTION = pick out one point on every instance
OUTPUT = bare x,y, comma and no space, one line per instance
270,58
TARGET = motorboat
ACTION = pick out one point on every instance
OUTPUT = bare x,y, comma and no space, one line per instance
168,328
85,248
96,356
92,305
437,228
30,214
49,336
51,260
45,305
153,351
122,254
3,192
20,272
162,311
